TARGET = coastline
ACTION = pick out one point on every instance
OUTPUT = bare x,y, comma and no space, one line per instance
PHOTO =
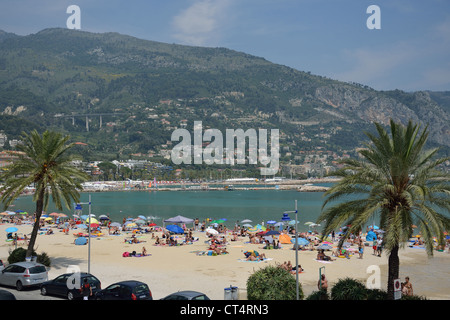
172,268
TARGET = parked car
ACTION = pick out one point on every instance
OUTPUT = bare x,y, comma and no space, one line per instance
6,295
23,274
186,295
125,290
68,285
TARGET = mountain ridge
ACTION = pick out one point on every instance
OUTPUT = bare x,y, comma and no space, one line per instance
64,72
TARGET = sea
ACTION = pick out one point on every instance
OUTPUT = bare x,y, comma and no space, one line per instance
259,206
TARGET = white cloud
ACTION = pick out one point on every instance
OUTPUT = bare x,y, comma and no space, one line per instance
201,23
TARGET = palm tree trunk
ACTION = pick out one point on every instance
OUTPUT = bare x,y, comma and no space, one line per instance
394,268
34,232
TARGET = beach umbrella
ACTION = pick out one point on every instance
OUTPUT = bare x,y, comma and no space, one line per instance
115,224
252,230
211,231
300,241
48,218
292,222
103,217
218,221
174,228
324,246
271,222
278,224
11,213
247,225
140,222
308,223
152,224
272,233
131,225
54,214
374,227
82,226
246,221
4,213
76,216
92,220
142,217
11,229
260,227
94,225
80,241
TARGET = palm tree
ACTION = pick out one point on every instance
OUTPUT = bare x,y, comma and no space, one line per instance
46,164
396,181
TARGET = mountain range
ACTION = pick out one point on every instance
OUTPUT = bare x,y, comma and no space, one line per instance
121,95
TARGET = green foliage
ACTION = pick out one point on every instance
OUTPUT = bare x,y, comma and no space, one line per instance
19,255
44,259
348,289
319,295
376,294
272,283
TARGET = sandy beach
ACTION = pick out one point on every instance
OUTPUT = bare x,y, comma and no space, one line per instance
168,269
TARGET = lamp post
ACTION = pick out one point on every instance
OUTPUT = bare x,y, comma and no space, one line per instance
78,207
296,251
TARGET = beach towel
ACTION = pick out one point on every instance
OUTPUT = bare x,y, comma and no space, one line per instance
264,260
322,261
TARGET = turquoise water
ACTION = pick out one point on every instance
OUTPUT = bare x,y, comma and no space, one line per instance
256,205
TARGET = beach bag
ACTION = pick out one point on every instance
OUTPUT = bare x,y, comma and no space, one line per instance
126,254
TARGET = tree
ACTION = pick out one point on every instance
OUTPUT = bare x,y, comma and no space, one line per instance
46,164
396,181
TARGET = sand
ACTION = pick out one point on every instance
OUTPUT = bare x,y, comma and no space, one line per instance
172,268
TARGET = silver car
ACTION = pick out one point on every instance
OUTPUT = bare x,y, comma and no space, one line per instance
23,274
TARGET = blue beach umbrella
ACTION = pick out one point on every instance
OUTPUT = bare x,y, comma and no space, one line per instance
142,217
324,246
11,229
174,228
80,241
300,241
271,222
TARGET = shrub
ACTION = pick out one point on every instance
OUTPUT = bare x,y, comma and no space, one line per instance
319,295
272,283
44,259
349,289
19,254
376,294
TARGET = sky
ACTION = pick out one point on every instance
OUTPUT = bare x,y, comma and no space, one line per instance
408,50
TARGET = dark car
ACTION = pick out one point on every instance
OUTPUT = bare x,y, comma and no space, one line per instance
68,285
125,290
6,295
186,295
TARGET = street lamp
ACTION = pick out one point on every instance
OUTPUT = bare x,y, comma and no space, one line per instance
296,250
79,208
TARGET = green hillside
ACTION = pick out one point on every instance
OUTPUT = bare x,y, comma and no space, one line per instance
136,92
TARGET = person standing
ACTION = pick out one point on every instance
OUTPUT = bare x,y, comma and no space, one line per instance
407,288
86,290
322,284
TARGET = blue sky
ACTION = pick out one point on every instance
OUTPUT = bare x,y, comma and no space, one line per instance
330,38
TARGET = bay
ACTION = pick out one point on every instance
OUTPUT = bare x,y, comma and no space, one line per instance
256,205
